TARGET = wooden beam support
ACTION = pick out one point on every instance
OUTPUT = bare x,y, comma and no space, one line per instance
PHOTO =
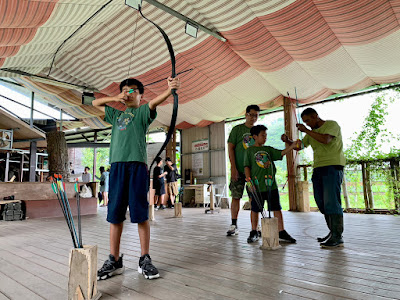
32,162
291,158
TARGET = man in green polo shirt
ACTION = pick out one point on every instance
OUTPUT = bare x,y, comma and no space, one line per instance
239,140
325,138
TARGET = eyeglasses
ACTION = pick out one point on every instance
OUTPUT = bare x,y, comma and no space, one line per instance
252,115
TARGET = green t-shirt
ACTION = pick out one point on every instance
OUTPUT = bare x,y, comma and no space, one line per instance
327,154
240,136
128,135
256,158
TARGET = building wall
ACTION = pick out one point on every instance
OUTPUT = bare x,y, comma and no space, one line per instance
214,163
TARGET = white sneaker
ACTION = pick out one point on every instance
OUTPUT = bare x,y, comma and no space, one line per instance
233,230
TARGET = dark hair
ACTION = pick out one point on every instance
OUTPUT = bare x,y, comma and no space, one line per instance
309,111
253,106
132,81
158,159
255,130
168,159
87,168
101,169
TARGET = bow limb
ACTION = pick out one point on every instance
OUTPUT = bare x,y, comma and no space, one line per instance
173,91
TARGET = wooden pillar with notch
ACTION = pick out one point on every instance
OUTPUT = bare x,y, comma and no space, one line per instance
291,158
82,283
270,234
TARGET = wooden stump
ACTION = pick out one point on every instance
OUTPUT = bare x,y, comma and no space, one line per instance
224,203
270,234
151,213
303,196
82,284
178,209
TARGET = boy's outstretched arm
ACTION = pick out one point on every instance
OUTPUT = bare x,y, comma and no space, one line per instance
294,145
173,83
101,102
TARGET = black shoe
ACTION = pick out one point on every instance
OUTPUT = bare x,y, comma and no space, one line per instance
253,237
285,237
324,239
332,243
110,268
162,207
146,268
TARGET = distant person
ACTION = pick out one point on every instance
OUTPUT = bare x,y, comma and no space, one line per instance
172,184
325,138
239,140
71,168
104,185
86,176
159,185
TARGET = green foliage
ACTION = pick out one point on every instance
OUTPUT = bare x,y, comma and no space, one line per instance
367,145
102,158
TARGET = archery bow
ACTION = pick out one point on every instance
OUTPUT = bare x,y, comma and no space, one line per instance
173,91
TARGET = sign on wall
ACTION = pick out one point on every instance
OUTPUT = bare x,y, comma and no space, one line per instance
197,164
200,145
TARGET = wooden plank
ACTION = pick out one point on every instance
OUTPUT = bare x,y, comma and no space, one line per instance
15,290
197,261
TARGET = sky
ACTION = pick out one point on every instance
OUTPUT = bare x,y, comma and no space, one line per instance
24,112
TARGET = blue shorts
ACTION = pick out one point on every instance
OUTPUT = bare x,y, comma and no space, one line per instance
128,186
271,198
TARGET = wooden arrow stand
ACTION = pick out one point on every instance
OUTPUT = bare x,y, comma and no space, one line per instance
270,234
178,209
82,284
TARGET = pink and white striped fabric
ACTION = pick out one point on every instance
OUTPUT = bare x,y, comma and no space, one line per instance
319,47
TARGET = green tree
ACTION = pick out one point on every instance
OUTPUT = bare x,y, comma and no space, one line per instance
367,144
102,158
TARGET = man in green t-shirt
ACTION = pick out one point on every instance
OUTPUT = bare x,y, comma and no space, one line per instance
325,138
259,167
128,175
239,140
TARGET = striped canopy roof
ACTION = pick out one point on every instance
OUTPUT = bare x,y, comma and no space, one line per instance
318,47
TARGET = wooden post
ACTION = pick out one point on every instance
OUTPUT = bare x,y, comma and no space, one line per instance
94,157
291,158
178,209
394,171
364,182
270,234
170,149
303,196
345,193
32,161
7,167
82,284
369,188
151,212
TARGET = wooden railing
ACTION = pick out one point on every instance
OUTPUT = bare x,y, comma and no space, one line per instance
366,178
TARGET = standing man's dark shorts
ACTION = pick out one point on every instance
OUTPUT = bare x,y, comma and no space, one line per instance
128,186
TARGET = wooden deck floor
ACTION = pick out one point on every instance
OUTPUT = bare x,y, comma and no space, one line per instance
197,261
